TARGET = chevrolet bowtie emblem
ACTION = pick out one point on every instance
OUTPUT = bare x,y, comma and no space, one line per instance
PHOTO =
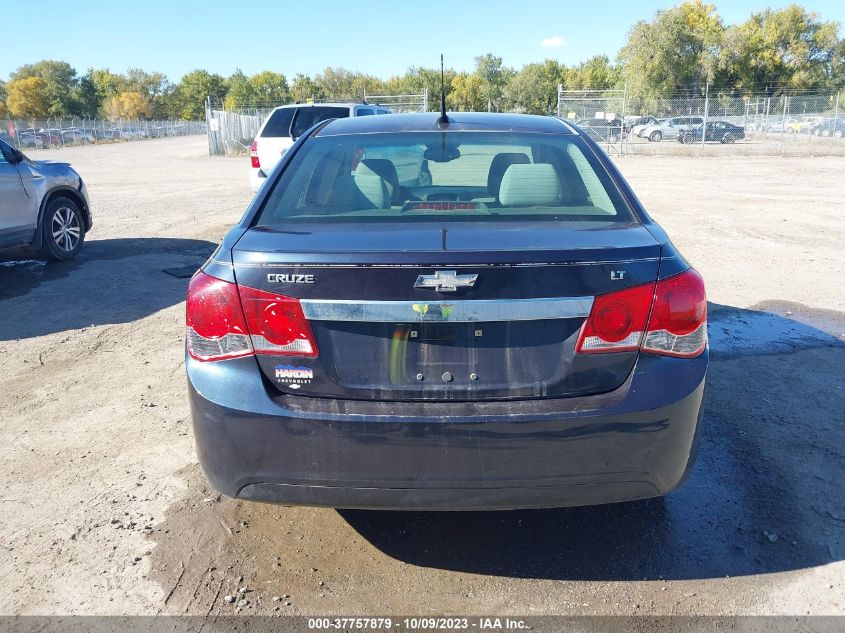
445,281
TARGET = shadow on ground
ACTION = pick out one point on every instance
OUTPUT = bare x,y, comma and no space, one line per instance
111,281
764,495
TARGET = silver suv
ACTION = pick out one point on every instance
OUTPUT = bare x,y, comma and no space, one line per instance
43,205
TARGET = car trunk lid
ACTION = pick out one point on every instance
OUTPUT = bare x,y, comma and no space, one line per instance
389,326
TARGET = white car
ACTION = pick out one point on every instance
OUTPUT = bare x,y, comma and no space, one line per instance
286,123
638,124
671,128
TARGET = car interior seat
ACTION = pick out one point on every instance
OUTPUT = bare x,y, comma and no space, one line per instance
530,185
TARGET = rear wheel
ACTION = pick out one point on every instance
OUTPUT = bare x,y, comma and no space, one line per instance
62,229
729,138
655,136
838,134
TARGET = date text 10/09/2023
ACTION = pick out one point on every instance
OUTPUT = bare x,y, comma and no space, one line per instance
418,623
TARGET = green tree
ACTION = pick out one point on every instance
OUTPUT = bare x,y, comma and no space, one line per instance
336,83
3,109
417,80
339,83
151,84
27,98
469,93
270,88
59,83
87,98
493,76
533,89
676,51
790,48
191,92
239,91
304,88
106,82
596,73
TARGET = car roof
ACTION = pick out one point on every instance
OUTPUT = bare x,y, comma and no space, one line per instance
458,122
332,104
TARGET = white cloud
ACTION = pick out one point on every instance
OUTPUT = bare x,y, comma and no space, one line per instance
552,42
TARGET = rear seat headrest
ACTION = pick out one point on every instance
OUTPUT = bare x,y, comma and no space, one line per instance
372,186
499,165
530,185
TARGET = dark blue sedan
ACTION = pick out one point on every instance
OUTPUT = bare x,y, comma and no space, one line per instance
472,312
718,131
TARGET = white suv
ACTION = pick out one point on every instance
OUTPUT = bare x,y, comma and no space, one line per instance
286,123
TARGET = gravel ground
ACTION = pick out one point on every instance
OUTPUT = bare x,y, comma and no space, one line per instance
103,508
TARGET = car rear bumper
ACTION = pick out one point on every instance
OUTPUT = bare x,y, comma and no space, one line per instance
635,442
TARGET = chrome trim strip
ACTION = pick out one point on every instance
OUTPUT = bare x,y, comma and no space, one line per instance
447,311
428,266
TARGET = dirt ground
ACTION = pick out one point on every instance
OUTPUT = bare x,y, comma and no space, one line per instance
104,510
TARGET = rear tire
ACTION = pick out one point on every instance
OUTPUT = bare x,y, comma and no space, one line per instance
62,230
838,134
729,139
655,136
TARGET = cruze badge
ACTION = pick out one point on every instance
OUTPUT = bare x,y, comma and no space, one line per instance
288,278
445,281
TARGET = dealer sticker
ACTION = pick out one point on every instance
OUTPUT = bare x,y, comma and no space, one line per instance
294,376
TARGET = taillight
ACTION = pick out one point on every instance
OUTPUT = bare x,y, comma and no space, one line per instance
253,155
276,323
216,325
678,324
617,321
668,318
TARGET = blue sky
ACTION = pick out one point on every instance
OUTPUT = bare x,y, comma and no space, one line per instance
376,36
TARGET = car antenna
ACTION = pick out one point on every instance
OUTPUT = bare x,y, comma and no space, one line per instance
443,120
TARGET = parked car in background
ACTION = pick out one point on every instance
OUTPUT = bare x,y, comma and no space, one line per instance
602,130
286,123
834,127
802,125
515,333
29,140
50,137
75,135
637,125
670,128
720,131
43,205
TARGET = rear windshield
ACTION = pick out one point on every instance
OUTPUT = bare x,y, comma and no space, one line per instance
278,125
472,176
302,118
311,115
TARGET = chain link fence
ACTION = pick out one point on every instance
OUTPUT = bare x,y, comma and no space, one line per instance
798,123
54,133
231,131
600,113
